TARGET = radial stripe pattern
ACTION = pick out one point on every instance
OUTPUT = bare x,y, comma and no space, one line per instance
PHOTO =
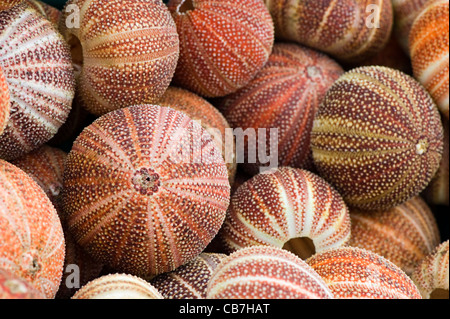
377,138
37,65
145,189
283,204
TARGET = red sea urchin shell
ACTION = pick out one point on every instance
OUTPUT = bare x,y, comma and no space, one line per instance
263,272
31,234
127,51
38,69
15,287
190,280
286,95
223,43
429,48
145,189
282,204
404,234
348,30
4,102
431,275
118,286
377,138
355,273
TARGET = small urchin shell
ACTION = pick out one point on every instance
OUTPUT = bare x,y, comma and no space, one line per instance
118,286
7,4
404,234
31,234
4,102
37,65
45,166
15,287
283,204
223,43
145,189
377,138
356,273
199,109
348,30
431,275
429,48
263,272
285,95
127,51
190,280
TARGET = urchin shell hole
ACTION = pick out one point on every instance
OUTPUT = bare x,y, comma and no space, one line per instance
303,247
185,6
439,293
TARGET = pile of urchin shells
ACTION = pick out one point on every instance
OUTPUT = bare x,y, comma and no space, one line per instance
223,149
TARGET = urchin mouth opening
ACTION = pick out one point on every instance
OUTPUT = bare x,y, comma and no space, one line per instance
185,6
303,247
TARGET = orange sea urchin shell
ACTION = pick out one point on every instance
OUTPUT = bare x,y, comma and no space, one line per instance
15,287
356,273
38,69
223,43
190,280
285,95
348,30
283,204
31,234
127,51
404,234
145,189
263,272
377,138
429,48
431,275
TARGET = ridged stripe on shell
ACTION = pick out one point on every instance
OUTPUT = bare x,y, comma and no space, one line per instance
263,272
4,102
30,231
356,273
37,65
133,201
128,54
118,286
46,167
285,94
275,207
190,280
349,30
429,48
432,273
405,234
223,44
377,138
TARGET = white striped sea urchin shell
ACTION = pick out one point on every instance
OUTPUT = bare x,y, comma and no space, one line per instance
38,69
283,204
264,272
145,189
118,286
127,51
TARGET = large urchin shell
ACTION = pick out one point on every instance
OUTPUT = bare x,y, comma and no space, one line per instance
127,51
404,234
189,281
348,30
284,95
431,275
263,272
31,234
145,189
118,286
377,138
429,48
356,273
284,204
37,65
223,44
